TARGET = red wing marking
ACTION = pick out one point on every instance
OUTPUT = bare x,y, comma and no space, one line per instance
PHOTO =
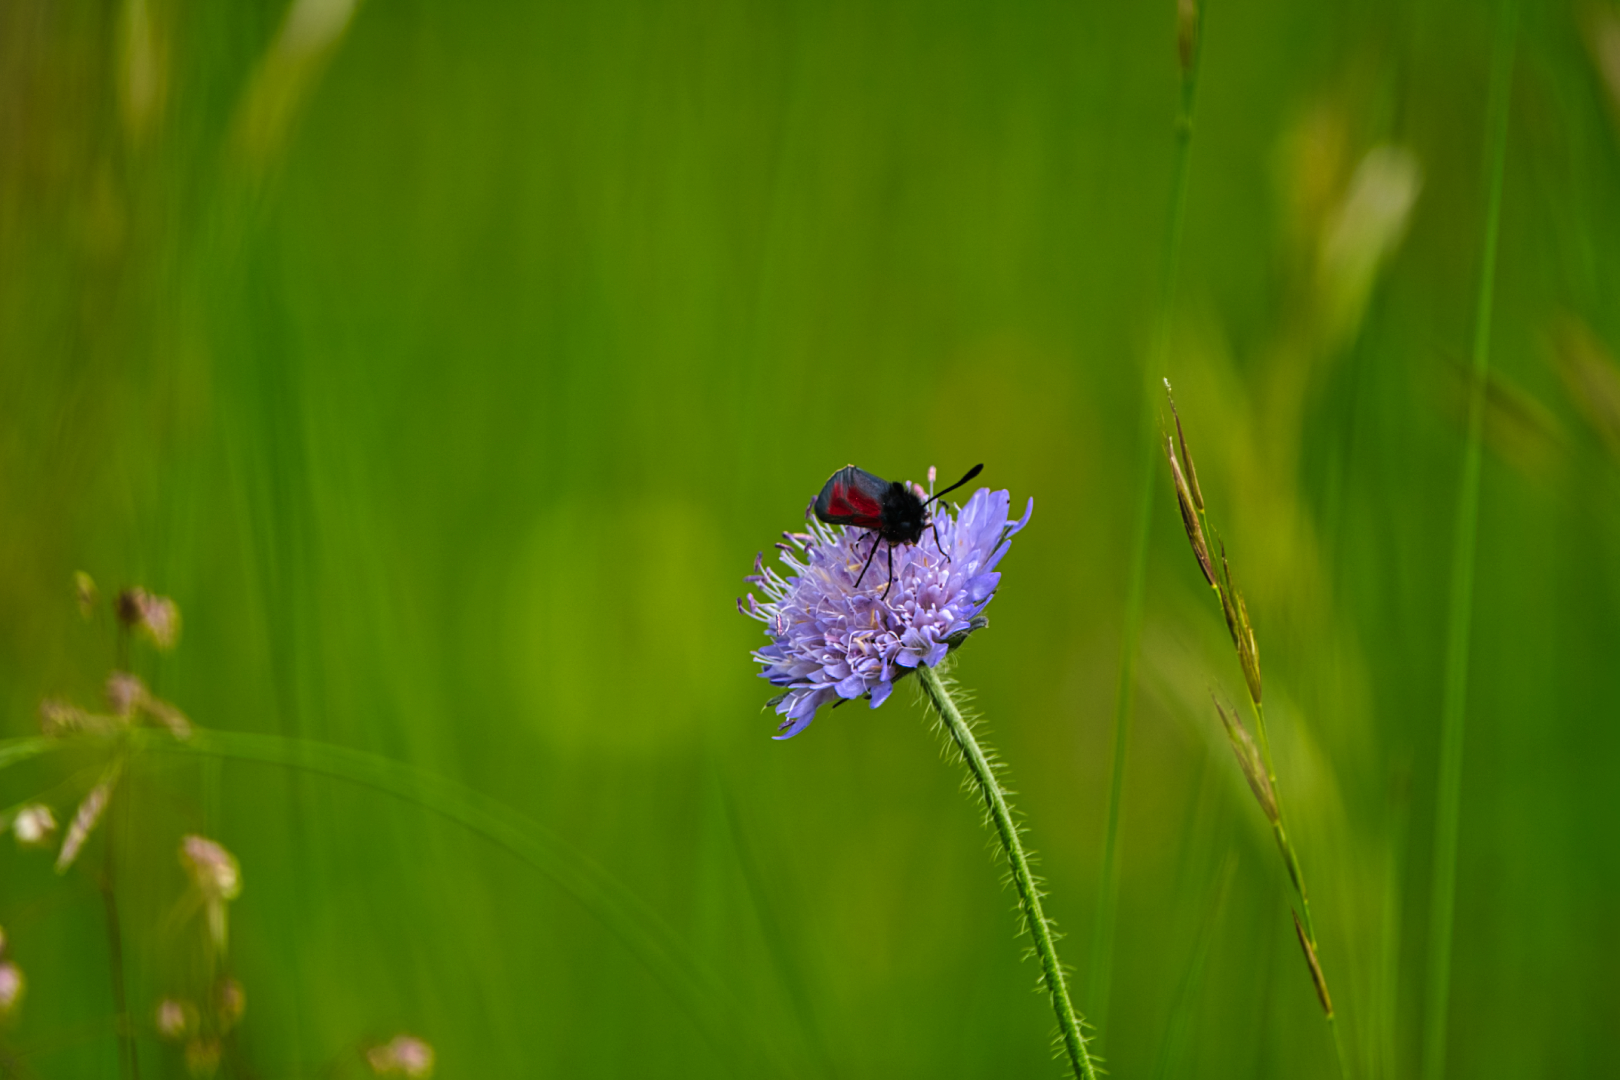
851,497
852,502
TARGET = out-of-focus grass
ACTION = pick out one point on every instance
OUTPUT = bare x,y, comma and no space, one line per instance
453,414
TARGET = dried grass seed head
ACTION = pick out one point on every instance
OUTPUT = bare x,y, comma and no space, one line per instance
1186,456
1189,513
1317,978
1186,33
58,718
202,1057
1248,650
85,819
1249,761
85,593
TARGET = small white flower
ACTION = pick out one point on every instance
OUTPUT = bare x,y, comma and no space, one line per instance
34,825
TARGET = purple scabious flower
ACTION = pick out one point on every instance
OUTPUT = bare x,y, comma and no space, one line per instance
834,642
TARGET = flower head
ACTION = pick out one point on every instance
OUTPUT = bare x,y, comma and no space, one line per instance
832,641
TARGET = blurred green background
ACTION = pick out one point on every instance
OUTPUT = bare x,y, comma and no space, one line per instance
448,363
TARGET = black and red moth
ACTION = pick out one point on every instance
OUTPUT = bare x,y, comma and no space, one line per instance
892,510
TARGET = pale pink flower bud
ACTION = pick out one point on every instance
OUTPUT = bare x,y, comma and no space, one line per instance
404,1055
12,985
232,1004
125,694
175,1018
160,618
212,869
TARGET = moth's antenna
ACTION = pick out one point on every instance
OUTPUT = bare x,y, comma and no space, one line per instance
971,473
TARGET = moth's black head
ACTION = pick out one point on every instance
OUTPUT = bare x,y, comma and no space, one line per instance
904,516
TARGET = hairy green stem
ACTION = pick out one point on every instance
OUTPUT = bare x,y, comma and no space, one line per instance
1102,936
1029,895
1442,896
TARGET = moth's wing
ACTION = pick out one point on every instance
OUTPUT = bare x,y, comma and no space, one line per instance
852,496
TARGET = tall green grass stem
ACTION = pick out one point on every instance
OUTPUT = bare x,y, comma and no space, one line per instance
1029,894
1442,895
1147,453
1172,1047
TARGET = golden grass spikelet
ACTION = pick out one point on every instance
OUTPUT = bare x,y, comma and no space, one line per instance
1186,33
1316,968
1189,513
1248,757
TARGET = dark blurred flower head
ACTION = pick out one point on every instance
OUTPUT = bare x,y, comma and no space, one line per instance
832,641
154,617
